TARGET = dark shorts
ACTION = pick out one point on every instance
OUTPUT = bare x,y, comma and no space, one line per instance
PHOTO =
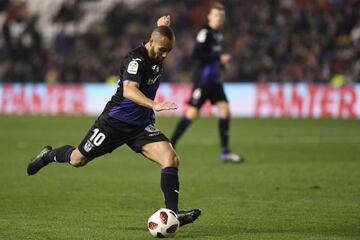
215,93
108,133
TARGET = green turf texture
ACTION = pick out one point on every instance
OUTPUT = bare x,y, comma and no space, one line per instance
301,180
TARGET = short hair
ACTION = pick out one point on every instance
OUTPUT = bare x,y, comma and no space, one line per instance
218,5
164,31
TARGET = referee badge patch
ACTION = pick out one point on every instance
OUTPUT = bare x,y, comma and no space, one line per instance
133,67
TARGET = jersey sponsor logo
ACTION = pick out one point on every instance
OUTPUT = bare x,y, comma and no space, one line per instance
154,134
217,48
201,37
218,37
152,81
133,67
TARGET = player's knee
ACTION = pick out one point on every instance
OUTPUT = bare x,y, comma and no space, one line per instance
224,114
171,161
77,159
192,117
176,161
227,113
192,113
78,162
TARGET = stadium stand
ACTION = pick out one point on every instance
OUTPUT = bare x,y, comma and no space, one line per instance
270,41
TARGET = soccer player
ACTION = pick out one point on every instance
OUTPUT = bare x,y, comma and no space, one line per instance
128,118
208,62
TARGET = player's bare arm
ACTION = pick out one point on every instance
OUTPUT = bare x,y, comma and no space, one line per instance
131,91
160,106
225,60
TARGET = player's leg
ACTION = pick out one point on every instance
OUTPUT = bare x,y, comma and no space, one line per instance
102,138
224,122
163,154
68,154
77,159
191,114
219,98
65,154
198,97
156,146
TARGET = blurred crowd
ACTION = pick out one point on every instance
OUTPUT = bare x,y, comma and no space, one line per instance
269,40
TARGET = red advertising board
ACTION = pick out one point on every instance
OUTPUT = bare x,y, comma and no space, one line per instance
310,101
42,99
246,100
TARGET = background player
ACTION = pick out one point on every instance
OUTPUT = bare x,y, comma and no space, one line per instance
128,118
208,63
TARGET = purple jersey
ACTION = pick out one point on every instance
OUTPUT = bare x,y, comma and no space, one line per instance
137,67
206,56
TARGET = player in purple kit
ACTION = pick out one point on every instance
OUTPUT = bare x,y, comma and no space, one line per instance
128,118
208,62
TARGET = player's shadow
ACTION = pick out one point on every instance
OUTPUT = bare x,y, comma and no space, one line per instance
133,228
193,233
206,231
244,233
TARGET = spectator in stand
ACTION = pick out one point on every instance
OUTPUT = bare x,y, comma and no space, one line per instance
275,41
24,47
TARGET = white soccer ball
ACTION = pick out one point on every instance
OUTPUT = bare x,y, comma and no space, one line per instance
163,223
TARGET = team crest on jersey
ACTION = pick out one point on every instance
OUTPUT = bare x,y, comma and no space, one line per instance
133,67
88,146
153,131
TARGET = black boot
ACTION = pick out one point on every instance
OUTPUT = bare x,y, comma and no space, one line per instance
186,217
40,161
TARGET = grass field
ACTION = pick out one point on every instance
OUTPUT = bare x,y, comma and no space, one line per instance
301,180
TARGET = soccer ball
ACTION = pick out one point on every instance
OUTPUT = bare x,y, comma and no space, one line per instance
163,223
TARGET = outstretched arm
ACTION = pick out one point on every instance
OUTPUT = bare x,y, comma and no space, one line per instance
131,91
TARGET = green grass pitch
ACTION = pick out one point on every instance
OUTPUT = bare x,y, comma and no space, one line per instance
301,180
